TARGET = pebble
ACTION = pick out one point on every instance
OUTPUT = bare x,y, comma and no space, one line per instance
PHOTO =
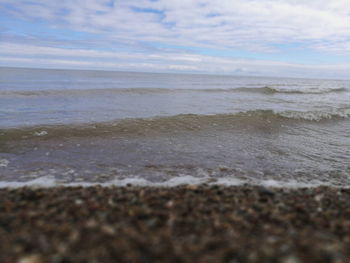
191,223
30,259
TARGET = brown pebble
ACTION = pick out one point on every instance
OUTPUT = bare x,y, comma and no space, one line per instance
30,259
202,223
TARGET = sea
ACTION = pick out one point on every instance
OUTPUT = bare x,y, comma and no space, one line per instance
81,127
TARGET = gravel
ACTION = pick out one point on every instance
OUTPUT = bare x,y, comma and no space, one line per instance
180,224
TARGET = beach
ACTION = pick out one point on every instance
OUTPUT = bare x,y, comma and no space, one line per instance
174,131
188,223
102,166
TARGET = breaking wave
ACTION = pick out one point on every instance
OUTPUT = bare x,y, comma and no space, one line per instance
289,90
261,90
177,123
49,182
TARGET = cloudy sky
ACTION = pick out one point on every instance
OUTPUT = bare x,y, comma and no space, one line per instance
296,38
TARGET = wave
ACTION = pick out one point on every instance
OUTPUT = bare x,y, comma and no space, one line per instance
288,90
261,90
171,124
317,115
49,182
79,92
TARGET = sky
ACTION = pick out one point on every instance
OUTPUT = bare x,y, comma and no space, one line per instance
294,38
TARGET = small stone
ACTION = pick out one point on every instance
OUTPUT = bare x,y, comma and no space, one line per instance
191,187
291,259
107,229
31,259
78,201
318,198
152,222
265,191
74,236
170,204
91,223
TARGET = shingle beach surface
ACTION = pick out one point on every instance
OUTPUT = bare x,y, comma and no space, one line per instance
179,224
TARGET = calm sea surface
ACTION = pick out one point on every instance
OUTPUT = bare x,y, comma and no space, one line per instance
67,127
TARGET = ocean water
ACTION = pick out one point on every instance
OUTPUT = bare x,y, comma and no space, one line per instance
69,127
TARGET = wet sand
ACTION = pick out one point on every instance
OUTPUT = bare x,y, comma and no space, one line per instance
180,224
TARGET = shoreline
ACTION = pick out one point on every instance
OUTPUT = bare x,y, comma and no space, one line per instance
193,223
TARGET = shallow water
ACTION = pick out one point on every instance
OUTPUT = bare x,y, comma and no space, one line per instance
88,127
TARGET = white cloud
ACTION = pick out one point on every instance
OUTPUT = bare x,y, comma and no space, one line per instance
254,25
41,56
227,23
49,52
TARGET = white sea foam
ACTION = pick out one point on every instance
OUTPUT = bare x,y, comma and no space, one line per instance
41,133
4,162
316,115
49,181
291,184
44,182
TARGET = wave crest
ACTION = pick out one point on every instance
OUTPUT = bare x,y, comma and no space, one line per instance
288,90
317,115
178,123
261,90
